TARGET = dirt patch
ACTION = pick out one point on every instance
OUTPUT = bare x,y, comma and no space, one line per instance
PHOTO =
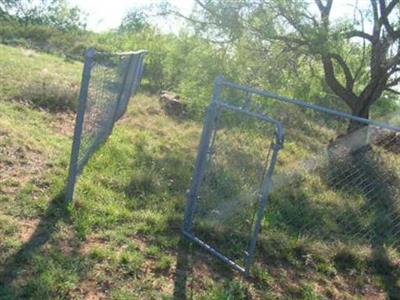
18,164
28,52
92,290
90,243
64,123
140,243
28,228
67,242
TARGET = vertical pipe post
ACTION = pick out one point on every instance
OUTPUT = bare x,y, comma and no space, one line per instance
202,156
83,95
265,190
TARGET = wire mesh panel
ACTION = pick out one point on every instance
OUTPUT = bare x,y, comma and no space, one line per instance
337,181
108,82
232,179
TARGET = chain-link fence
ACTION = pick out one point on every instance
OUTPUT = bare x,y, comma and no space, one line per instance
338,178
235,162
336,181
108,82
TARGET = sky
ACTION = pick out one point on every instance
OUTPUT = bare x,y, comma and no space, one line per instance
105,15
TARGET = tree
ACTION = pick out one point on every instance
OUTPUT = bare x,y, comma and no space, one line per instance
359,82
56,13
134,21
5,7
378,69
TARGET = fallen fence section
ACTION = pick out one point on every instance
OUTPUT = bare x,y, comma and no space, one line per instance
108,83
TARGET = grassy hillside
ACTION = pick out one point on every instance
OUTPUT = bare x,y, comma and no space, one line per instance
121,238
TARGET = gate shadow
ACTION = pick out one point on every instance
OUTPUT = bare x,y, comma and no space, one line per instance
142,188
191,260
47,226
183,269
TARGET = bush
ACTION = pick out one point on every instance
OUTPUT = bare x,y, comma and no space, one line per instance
45,38
50,94
186,64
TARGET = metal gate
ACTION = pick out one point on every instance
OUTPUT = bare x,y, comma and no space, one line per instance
232,178
336,187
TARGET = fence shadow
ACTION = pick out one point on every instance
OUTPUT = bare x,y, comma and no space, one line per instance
363,210
193,264
182,289
10,272
46,227
377,184
366,174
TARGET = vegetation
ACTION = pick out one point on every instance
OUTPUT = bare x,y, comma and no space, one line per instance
121,238
293,27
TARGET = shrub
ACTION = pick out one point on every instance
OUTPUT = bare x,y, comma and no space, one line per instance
51,94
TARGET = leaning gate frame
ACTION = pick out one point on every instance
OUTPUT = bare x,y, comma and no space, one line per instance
375,219
216,107
108,82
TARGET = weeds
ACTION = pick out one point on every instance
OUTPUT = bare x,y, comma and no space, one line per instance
121,239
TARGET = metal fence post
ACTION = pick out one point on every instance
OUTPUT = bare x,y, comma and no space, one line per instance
265,190
202,156
83,95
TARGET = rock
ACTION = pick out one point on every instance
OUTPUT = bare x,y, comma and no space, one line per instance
387,140
172,103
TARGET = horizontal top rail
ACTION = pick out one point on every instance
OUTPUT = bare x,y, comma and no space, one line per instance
131,52
301,103
279,125
93,51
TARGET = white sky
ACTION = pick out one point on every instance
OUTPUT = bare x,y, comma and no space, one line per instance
106,14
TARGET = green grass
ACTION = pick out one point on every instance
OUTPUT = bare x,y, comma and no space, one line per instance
121,239
41,80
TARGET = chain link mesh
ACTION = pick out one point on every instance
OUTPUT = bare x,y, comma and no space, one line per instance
238,156
106,82
336,182
337,179
345,187
109,81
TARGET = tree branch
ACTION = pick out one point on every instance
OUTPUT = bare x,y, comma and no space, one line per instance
392,91
392,62
385,11
347,95
393,82
361,34
394,70
374,89
347,72
324,8
375,16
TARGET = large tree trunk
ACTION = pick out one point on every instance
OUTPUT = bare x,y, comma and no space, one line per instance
357,132
361,112
348,149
